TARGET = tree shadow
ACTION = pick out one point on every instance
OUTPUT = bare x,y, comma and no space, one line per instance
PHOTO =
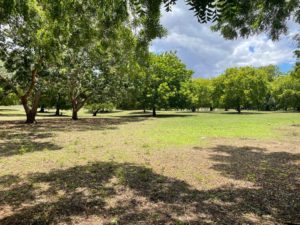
10,115
19,138
66,124
149,115
243,113
132,194
10,110
275,177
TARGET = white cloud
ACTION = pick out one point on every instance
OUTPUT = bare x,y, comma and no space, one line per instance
209,54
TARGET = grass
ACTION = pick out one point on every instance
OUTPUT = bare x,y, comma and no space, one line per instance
126,167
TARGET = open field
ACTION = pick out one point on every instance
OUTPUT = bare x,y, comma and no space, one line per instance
129,168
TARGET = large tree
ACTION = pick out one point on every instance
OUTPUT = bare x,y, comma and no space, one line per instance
27,48
164,76
245,87
286,91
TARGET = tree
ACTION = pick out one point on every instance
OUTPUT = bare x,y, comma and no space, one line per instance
286,91
164,77
26,49
245,87
198,93
218,87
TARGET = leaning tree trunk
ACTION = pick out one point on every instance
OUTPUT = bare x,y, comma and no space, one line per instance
95,112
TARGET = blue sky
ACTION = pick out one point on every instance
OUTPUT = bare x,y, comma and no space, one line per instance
209,54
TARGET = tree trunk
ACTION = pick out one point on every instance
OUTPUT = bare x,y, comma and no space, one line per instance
226,109
153,111
95,112
193,109
57,112
144,110
31,113
42,110
239,109
74,114
30,117
211,108
75,109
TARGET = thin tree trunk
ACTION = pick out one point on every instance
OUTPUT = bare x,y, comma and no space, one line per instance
193,109
239,109
154,111
211,109
57,112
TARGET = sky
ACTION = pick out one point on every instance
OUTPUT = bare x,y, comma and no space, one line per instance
208,54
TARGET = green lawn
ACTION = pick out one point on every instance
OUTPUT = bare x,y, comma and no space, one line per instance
127,167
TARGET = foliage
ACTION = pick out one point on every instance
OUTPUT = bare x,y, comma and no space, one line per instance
245,87
286,91
100,107
198,93
163,80
243,18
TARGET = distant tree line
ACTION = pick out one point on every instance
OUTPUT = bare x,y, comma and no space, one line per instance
250,88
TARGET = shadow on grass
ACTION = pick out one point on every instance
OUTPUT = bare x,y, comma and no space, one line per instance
132,194
19,138
10,110
243,113
149,114
11,115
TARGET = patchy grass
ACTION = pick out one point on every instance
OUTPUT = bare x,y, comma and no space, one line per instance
129,168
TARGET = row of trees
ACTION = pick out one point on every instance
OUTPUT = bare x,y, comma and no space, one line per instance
165,83
263,88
